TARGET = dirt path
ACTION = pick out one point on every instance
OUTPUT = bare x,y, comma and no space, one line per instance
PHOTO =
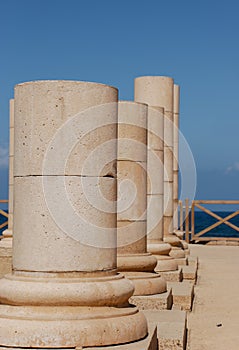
214,321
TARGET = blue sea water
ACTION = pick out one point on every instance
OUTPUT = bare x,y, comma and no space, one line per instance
202,220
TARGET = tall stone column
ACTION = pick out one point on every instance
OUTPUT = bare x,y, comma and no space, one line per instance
176,154
133,259
158,91
155,190
6,241
176,165
64,290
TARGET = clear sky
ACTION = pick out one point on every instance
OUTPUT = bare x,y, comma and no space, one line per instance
195,42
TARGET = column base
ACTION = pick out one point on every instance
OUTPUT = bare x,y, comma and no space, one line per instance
146,283
139,269
177,253
162,301
165,263
149,343
161,251
173,240
179,234
66,327
64,310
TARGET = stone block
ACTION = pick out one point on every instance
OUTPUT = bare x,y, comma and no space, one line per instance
193,260
181,261
161,301
183,293
171,328
189,273
173,276
65,135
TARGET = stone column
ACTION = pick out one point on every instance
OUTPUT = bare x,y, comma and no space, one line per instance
155,191
6,241
64,290
158,91
133,259
176,154
176,165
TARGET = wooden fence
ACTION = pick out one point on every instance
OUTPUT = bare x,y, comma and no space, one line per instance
3,213
187,220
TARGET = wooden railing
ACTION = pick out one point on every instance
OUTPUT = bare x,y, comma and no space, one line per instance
189,220
3,213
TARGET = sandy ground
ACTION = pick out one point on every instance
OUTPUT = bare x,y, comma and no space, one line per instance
214,321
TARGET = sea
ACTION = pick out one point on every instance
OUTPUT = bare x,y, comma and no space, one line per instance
202,220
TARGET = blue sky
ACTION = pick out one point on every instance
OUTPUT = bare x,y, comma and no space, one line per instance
115,41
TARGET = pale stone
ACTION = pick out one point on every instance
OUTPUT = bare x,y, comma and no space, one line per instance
64,290
180,256
73,124
155,91
168,201
168,129
131,236
155,128
193,261
161,301
179,234
171,328
134,262
6,254
175,186
157,247
159,91
176,98
190,273
172,276
168,231
149,343
11,164
168,161
132,187
145,283
183,293
77,229
132,131
165,263
141,262
155,217
176,143
176,153
155,168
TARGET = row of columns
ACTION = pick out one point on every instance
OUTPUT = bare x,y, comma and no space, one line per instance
73,143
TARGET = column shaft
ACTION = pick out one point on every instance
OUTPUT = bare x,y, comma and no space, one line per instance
133,259
64,280
158,91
